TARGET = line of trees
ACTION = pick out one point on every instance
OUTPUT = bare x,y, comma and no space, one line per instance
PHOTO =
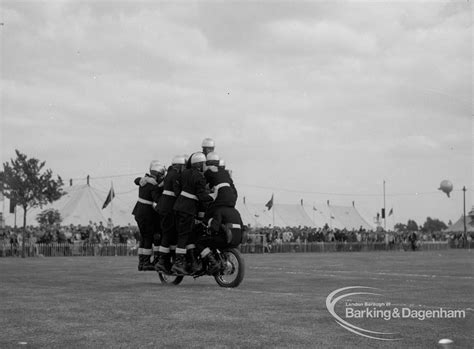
431,225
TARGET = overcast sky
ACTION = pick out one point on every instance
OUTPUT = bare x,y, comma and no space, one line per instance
304,99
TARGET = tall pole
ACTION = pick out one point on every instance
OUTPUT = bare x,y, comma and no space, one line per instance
112,210
112,218
273,213
464,211
3,210
24,233
384,211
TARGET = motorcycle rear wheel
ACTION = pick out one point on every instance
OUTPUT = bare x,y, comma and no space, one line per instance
170,279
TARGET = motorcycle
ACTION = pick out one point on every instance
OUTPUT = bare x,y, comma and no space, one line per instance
230,274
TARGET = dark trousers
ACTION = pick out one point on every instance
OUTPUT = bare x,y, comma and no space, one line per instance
219,241
147,229
184,228
213,208
157,231
216,241
168,229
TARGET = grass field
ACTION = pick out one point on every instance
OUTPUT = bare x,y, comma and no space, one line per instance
103,302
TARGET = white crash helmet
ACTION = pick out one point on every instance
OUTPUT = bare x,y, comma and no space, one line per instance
212,159
198,158
157,167
208,143
178,160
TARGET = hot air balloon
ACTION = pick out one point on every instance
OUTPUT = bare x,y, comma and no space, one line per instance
446,187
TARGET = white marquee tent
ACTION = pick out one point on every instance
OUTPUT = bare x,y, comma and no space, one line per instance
288,215
80,204
458,226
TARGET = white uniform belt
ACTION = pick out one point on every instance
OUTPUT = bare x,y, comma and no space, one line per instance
169,193
236,226
221,185
190,196
146,202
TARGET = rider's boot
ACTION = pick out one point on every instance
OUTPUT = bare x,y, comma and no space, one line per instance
179,266
156,254
140,262
193,265
212,265
172,254
146,264
163,263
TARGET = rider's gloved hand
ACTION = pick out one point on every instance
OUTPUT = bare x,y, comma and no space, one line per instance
146,179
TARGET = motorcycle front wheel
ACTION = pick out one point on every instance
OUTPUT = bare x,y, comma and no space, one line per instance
233,270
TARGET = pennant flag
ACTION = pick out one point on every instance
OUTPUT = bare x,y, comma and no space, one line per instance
332,217
390,212
269,204
110,196
314,208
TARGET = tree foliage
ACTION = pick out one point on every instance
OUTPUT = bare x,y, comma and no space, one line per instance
27,184
433,225
412,225
403,228
49,217
400,227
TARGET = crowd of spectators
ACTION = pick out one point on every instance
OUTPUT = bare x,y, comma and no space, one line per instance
279,235
93,233
98,233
